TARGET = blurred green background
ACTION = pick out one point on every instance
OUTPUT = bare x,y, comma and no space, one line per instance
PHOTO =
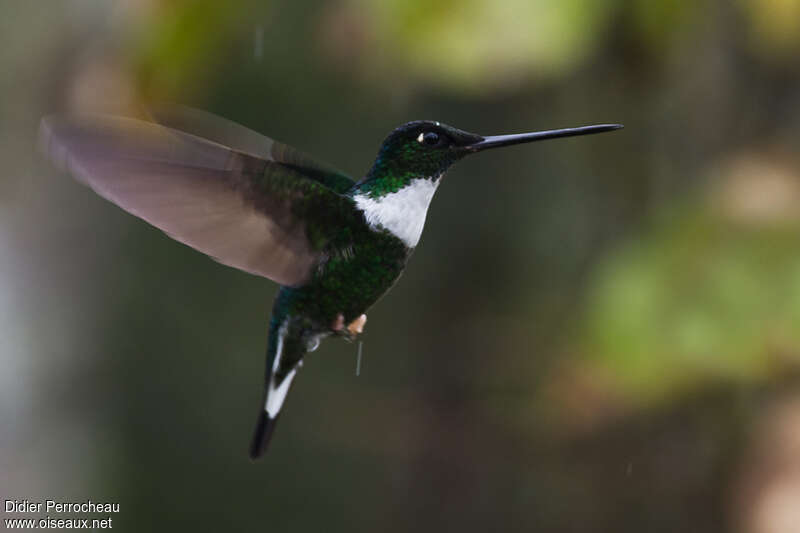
595,334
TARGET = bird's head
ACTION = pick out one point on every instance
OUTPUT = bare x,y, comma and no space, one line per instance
425,149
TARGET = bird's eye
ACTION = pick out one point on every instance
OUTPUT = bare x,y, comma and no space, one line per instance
428,138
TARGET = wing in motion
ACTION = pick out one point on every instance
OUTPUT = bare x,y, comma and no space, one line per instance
223,131
262,208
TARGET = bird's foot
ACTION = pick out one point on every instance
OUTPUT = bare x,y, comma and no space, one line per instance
352,329
357,326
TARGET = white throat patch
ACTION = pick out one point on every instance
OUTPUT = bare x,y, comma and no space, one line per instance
402,212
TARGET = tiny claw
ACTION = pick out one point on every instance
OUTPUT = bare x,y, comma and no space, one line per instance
357,326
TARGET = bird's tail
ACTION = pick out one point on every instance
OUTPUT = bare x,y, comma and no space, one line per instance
285,352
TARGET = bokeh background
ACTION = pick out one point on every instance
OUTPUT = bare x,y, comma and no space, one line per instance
595,334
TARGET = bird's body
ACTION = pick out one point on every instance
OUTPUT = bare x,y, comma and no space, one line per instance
351,277
335,245
363,259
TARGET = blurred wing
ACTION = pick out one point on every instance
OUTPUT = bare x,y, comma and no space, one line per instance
233,206
243,139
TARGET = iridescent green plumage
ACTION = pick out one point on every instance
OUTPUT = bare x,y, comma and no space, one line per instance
334,245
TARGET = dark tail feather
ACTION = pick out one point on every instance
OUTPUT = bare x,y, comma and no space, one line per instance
284,356
261,436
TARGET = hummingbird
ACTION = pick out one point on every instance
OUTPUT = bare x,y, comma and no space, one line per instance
335,245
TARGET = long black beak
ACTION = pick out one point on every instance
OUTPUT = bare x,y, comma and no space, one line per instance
496,141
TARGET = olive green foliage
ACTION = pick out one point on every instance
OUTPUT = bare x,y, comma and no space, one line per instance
696,298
